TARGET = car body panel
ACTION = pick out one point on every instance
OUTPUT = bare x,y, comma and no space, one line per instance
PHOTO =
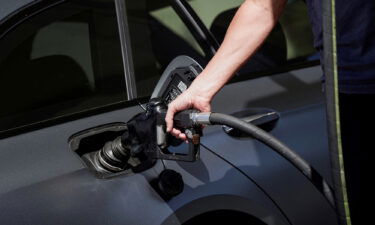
292,94
288,187
45,153
303,129
44,182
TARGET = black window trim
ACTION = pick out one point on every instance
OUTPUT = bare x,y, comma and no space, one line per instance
70,117
127,58
25,12
193,22
34,8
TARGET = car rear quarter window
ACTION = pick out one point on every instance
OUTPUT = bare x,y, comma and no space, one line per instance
64,60
290,42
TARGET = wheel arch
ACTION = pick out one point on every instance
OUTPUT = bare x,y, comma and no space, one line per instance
219,208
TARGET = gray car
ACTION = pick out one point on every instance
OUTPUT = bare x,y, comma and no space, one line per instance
73,72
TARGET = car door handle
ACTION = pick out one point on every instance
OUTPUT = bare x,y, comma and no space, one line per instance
263,118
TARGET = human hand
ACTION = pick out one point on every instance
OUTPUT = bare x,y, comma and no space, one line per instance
191,98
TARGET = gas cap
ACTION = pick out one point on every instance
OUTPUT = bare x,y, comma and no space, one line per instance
169,184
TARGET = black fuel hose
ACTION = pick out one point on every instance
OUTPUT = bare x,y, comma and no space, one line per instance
272,142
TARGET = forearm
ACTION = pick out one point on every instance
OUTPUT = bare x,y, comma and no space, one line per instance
249,28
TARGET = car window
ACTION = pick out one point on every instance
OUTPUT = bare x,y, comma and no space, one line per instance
64,60
290,42
157,36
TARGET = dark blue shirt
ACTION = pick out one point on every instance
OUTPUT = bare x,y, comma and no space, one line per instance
355,22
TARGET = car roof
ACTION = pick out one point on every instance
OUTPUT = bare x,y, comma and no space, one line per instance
8,7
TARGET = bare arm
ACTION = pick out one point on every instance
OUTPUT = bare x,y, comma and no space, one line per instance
249,28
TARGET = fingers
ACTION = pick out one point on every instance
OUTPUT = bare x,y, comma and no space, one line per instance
175,132
169,117
179,104
182,136
178,134
185,101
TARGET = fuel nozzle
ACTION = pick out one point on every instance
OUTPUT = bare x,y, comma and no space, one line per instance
184,121
114,155
128,151
146,137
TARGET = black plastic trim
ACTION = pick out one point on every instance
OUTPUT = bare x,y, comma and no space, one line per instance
130,82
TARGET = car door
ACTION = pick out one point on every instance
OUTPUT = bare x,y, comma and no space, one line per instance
67,67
